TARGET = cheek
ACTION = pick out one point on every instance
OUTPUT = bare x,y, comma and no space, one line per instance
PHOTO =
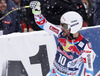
67,31
5,5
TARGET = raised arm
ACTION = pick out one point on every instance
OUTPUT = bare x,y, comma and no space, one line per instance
41,20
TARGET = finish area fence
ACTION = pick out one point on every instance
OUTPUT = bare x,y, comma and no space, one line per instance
32,53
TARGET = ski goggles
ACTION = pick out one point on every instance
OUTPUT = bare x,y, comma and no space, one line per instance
65,26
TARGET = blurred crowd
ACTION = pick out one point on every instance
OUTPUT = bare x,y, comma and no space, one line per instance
20,20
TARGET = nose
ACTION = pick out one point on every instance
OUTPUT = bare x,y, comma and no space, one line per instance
66,33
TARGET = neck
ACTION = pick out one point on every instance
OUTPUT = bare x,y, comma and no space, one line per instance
76,35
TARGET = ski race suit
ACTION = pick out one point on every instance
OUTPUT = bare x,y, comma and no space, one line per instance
73,57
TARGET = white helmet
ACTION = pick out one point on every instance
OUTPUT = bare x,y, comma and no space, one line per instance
73,20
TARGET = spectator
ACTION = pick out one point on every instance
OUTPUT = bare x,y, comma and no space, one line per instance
6,24
3,6
14,16
85,3
96,19
89,10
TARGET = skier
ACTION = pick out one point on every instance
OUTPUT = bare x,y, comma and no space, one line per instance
74,53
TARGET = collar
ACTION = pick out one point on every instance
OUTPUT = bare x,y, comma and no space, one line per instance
76,40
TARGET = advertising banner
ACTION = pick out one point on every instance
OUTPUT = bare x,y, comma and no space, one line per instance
32,54
26,54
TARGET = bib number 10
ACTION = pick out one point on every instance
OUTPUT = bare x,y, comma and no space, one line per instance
62,59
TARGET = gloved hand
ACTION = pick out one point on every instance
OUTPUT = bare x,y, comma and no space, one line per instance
36,9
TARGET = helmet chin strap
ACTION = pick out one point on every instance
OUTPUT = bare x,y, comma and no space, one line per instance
71,37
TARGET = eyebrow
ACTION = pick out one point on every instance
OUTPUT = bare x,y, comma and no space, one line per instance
2,0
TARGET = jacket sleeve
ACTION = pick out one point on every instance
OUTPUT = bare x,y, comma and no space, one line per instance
47,26
88,57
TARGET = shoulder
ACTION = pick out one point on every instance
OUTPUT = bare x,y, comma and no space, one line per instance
83,41
11,3
7,19
87,42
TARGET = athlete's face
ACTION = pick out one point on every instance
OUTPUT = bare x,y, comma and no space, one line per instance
3,6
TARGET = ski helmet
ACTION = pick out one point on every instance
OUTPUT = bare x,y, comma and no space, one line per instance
73,21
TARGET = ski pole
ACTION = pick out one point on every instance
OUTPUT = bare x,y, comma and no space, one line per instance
13,11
